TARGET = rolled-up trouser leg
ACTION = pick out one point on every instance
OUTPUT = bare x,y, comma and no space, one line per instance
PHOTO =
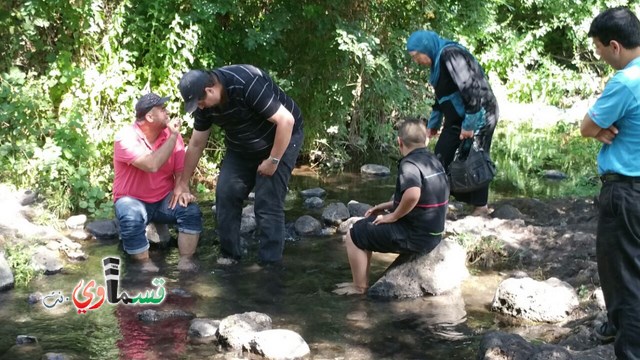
131,215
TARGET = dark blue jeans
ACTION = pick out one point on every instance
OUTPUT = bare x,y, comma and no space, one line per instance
133,216
238,176
618,253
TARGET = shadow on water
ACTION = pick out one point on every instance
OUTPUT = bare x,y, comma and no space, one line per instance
298,298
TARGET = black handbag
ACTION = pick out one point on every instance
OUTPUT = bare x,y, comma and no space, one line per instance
471,168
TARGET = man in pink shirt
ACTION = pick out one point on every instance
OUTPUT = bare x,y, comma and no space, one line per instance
148,160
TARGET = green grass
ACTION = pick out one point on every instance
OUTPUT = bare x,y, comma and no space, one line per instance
523,152
19,259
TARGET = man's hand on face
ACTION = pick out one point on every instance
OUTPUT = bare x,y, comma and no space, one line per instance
174,125
267,168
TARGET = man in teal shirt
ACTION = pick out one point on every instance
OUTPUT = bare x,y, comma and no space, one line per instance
614,120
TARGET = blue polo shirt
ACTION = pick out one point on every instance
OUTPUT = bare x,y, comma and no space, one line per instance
619,105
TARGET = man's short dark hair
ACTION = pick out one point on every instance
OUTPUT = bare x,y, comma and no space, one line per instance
619,24
413,132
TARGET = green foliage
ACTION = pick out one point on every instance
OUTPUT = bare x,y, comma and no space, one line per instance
202,189
487,252
72,71
482,251
583,292
466,240
329,153
540,48
63,114
523,152
19,259
54,155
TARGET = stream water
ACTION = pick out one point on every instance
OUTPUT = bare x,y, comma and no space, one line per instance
298,298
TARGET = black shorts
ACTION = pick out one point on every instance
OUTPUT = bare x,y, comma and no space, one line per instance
395,237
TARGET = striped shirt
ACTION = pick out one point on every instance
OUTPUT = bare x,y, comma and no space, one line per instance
251,97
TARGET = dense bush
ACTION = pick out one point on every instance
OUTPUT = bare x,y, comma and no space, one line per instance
523,153
71,71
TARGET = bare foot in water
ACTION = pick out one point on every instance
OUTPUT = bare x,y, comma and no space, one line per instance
344,284
147,266
482,211
349,289
187,265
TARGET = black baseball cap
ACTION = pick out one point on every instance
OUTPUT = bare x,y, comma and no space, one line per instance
148,102
192,87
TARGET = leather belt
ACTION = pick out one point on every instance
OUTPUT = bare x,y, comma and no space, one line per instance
612,177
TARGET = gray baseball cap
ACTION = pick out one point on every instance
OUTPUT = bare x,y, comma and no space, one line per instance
148,102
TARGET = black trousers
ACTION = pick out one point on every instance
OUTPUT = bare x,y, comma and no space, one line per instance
618,254
238,176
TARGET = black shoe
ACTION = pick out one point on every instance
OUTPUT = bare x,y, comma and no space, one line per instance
605,333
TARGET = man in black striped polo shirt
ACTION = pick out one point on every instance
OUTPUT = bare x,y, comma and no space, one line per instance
263,136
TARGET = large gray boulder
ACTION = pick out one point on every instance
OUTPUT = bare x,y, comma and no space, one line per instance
335,213
47,261
357,208
313,203
237,331
203,331
315,192
307,225
503,346
375,170
76,222
26,197
543,301
507,212
279,344
497,345
103,229
435,273
6,275
554,175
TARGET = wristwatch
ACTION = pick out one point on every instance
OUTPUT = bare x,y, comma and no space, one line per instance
274,161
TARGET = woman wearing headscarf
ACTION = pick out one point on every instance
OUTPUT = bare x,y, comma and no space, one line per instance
463,97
